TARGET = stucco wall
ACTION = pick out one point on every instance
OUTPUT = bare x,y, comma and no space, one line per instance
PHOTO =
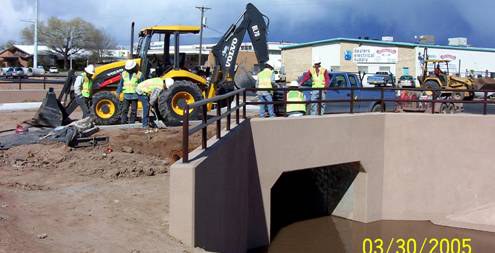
415,167
296,61
407,58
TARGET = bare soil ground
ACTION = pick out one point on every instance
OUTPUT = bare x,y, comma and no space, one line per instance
111,198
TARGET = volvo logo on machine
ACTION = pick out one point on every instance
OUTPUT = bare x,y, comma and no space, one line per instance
256,30
232,48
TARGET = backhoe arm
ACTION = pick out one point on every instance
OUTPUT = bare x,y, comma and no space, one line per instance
227,49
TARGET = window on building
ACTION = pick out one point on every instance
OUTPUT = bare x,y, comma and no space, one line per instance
384,69
363,69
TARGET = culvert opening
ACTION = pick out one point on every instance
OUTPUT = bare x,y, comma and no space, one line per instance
309,193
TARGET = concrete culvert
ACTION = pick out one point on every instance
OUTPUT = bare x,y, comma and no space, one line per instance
309,193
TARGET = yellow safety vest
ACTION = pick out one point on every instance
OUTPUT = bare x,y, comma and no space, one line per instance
148,86
318,78
295,96
86,86
130,84
265,78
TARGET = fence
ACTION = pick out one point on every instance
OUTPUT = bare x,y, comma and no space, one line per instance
41,79
381,99
205,121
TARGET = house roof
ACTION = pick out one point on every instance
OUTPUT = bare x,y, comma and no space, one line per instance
383,43
29,49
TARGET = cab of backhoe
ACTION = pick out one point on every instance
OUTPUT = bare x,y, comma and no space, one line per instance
429,74
165,64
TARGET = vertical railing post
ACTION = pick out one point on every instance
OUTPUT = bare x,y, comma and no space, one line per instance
44,81
284,104
185,135
244,104
237,108
382,98
320,92
485,102
351,109
20,85
229,111
219,120
204,130
433,103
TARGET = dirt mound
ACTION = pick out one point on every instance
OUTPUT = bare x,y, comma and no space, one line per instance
162,143
99,162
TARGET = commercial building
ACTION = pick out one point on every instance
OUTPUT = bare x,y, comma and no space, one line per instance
370,56
245,59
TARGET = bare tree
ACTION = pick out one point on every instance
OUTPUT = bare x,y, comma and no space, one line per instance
65,38
100,43
7,44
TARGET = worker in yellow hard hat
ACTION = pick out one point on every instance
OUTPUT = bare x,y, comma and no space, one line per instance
128,82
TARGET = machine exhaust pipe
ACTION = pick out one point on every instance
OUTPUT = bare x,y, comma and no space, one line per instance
132,41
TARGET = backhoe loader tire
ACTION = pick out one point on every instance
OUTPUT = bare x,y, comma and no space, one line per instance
432,85
105,108
172,101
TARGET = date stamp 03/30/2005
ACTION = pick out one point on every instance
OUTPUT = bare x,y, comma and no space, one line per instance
413,245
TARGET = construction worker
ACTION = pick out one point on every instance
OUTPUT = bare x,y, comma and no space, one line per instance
266,79
83,87
148,92
128,83
320,79
294,95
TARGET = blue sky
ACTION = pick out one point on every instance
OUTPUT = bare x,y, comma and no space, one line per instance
291,20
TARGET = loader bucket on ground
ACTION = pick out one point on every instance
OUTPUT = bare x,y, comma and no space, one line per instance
51,112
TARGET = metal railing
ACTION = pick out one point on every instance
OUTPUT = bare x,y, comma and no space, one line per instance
38,79
205,121
381,99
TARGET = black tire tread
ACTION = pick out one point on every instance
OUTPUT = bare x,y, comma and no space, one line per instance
168,115
106,95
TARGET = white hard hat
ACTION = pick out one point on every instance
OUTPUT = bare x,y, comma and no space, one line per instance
130,64
169,82
90,69
316,61
293,84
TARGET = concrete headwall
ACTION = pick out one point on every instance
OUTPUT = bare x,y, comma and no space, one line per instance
415,167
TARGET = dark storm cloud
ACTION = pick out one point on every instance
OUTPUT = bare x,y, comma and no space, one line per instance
295,20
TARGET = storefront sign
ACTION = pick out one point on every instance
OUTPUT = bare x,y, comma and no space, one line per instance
367,54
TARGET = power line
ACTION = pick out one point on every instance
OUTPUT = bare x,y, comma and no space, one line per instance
202,9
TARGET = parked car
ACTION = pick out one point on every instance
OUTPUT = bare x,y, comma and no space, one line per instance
39,71
19,73
9,73
382,79
3,71
53,69
343,80
407,81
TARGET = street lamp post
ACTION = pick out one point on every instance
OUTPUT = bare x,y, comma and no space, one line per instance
35,42
202,9
35,57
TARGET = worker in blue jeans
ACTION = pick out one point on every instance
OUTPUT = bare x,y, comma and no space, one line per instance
320,79
266,79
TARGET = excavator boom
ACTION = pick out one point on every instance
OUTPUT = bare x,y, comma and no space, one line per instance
226,50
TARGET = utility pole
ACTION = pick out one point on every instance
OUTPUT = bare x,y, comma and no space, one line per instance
202,9
35,57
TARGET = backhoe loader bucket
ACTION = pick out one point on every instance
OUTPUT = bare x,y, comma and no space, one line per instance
51,112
